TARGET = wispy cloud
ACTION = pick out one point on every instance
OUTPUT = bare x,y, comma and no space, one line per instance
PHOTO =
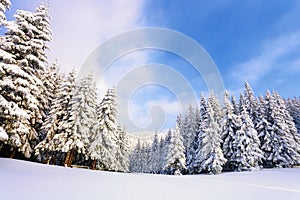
159,114
272,54
157,88
80,26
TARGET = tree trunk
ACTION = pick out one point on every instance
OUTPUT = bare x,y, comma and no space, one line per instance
94,164
47,159
69,158
53,158
13,153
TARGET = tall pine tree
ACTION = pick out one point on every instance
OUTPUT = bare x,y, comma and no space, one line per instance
47,149
103,148
278,144
175,160
80,125
210,157
23,61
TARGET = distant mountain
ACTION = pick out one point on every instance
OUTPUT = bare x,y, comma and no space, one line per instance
144,137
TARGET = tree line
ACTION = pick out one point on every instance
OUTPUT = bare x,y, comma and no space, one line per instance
254,133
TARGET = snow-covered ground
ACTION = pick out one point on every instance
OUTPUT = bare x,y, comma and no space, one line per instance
25,180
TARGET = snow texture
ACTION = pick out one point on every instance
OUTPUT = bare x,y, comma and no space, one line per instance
3,135
52,182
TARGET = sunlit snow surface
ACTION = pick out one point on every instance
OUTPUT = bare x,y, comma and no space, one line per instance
25,180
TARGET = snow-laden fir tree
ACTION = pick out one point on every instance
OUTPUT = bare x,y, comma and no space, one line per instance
42,35
229,126
215,104
155,155
4,5
247,154
292,130
162,155
140,158
167,139
193,147
145,152
210,157
202,125
188,128
293,107
122,154
251,103
279,147
189,134
104,147
47,149
175,160
80,124
263,127
234,105
52,82
136,160
165,148
21,88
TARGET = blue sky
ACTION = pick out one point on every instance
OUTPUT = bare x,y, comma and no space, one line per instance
254,41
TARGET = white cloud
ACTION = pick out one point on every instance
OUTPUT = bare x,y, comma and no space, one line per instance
121,67
80,26
159,114
269,56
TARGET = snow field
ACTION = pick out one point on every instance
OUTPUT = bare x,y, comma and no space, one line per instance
25,180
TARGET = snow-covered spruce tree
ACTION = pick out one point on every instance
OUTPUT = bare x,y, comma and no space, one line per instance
47,149
165,149
251,103
279,147
190,131
175,160
80,124
229,126
192,151
289,122
42,35
202,125
22,88
103,148
190,128
38,35
216,106
145,152
155,155
210,157
235,105
263,127
4,5
167,140
135,158
52,82
293,107
247,155
162,155
122,154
